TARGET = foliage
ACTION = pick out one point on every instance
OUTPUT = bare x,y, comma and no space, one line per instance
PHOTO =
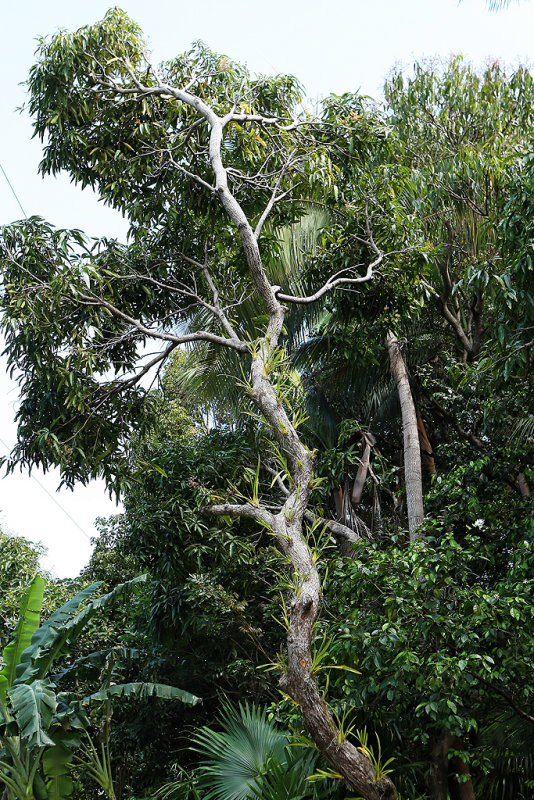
40,727
248,758
425,641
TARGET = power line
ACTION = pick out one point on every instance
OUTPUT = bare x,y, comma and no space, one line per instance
37,481
12,189
51,496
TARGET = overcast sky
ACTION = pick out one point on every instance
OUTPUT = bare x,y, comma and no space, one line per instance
333,46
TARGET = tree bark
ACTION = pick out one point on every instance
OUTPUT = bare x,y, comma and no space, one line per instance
338,502
361,475
442,784
465,789
426,447
412,455
300,681
460,790
287,524
522,485
439,767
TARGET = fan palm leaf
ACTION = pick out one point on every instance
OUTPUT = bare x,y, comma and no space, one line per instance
236,758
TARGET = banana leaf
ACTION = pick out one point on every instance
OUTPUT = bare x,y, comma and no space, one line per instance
56,767
140,690
61,630
30,611
34,705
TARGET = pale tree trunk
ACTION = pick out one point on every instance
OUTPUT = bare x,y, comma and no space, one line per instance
300,681
287,524
412,454
361,476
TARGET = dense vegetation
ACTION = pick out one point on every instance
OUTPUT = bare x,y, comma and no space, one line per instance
307,374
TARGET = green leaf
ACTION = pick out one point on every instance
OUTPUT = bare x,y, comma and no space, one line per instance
56,768
141,690
34,706
59,633
30,610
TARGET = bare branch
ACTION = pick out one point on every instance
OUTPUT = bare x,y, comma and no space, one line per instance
273,199
333,283
192,175
146,368
225,322
233,117
197,336
244,510
336,528
507,696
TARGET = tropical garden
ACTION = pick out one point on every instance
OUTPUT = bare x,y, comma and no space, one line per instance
307,376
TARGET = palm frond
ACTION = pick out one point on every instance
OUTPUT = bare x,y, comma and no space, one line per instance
234,758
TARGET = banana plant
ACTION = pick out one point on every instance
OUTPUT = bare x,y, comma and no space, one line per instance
40,728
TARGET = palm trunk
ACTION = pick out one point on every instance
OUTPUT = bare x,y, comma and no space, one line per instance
412,454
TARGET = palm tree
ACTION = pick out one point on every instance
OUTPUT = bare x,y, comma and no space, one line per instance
248,758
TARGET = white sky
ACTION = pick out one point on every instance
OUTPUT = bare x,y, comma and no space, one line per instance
335,46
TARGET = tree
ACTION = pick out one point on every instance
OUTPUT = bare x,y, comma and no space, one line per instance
198,154
412,455
210,164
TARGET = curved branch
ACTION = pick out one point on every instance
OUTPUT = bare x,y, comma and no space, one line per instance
197,336
333,283
507,696
244,510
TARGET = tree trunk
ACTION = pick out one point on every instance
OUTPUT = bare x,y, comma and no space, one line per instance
464,790
426,447
361,475
338,502
412,455
524,490
439,768
287,525
522,485
442,784
460,790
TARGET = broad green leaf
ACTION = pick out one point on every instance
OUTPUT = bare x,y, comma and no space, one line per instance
30,610
34,706
59,633
44,634
39,788
56,768
142,690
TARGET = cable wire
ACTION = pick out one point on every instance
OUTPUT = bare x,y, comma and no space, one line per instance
37,481
51,496
12,189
